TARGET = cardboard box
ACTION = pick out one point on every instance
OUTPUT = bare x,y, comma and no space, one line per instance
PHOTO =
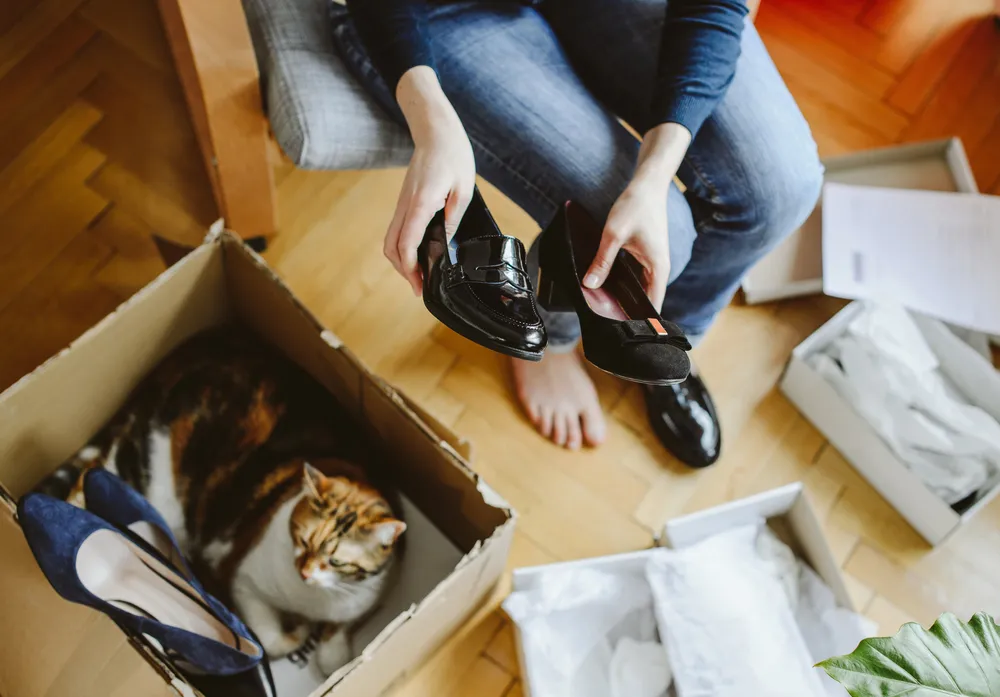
787,511
795,267
858,442
51,648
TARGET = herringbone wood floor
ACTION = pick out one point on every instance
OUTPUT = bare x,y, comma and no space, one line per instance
97,152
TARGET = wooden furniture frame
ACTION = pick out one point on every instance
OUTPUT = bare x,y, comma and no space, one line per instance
211,45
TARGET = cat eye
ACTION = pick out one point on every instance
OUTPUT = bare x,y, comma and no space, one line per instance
349,569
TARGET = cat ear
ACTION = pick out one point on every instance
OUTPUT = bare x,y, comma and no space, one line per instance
311,479
388,531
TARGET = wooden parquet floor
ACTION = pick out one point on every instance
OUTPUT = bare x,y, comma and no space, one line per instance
97,152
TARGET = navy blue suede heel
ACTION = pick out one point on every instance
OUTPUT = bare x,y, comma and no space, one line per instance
89,561
110,498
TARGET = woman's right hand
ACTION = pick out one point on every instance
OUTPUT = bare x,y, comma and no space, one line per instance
441,174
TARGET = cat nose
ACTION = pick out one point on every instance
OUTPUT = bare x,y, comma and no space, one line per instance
307,569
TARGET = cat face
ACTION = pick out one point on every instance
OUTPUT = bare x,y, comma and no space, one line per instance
342,530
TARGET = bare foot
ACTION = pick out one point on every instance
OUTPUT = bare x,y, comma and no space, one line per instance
560,399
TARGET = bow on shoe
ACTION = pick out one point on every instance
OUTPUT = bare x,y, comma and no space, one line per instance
653,331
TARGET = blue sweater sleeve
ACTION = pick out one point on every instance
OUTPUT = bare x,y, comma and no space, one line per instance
394,32
698,52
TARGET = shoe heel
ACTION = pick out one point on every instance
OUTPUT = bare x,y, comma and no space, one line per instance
551,296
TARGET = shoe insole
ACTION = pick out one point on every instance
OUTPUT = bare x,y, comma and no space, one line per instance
604,303
121,573
156,539
622,296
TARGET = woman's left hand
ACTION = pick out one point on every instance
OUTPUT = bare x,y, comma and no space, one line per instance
637,222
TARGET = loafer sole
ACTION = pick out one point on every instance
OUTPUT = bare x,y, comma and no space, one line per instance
477,336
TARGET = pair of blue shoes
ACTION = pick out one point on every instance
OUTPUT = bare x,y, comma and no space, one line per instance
120,558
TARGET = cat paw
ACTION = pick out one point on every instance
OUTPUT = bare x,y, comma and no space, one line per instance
334,650
283,643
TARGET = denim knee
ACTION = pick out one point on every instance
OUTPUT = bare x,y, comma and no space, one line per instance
783,199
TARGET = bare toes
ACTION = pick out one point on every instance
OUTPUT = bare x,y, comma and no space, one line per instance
559,429
546,422
534,413
594,426
574,437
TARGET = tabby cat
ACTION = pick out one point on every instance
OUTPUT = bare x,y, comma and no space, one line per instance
268,485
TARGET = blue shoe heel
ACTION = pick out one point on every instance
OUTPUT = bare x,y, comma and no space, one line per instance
89,561
110,498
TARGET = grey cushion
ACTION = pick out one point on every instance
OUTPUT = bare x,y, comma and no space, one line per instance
320,115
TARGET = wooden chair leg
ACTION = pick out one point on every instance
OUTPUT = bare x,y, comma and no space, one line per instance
214,56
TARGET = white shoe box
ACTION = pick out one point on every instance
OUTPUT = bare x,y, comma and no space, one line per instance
865,449
787,511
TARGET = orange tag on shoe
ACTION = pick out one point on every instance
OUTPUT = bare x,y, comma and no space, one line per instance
657,327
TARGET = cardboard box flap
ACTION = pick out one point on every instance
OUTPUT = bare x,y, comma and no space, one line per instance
282,306
933,252
795,267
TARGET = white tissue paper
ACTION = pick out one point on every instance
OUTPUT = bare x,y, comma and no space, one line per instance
639,669
827,629
582,628
884,367
726,621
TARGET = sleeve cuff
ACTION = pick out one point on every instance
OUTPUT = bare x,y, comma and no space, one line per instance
688,110
400,57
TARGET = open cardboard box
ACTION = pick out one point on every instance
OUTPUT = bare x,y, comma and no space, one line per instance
787,511
795,267
865,449
460,530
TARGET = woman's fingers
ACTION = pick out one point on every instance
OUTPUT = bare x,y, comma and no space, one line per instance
390,246
418,217
657,286
454,209
611,243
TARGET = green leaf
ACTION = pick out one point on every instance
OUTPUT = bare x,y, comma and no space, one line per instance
950,659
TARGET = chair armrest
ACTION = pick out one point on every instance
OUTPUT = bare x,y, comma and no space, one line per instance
215,59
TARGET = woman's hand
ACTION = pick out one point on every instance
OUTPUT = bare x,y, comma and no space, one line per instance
441,174
637,222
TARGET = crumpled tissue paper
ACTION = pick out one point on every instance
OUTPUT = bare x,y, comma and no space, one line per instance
884,367
827,629
583,628
639,669
726,621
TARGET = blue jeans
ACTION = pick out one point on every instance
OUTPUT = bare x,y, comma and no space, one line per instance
541,90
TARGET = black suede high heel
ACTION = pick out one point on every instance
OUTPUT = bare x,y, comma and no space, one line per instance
622,332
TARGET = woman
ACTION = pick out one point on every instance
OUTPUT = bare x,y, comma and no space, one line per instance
530,94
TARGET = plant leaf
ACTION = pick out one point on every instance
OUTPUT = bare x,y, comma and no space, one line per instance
951,659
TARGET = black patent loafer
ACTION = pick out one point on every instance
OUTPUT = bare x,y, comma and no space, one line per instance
683,417
478,286
622,332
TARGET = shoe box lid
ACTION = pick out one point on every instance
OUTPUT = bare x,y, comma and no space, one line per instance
796,267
